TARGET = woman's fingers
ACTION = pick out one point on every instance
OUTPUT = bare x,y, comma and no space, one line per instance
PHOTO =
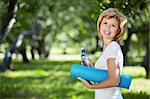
88,63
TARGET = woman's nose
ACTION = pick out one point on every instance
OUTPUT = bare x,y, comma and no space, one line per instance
108,28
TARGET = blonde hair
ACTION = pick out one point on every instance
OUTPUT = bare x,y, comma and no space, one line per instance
113,13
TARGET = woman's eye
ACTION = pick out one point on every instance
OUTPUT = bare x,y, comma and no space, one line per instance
113,25
105,23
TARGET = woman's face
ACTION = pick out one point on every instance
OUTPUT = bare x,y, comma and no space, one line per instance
109,28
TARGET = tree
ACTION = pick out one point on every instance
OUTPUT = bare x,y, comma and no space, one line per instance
9,20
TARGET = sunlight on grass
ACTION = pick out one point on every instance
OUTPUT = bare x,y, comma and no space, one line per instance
137,84
28,73
134,71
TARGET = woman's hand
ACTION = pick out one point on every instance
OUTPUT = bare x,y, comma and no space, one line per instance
88,63
85,82
113,76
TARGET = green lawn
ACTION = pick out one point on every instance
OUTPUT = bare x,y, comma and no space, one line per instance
45,79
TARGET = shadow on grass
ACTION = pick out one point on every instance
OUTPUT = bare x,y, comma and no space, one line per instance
43,87
44,64
136,95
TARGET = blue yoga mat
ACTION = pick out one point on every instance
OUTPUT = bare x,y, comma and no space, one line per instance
97,75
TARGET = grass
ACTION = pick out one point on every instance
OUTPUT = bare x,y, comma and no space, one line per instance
44,79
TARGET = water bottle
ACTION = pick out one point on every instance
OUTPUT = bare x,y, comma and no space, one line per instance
84,56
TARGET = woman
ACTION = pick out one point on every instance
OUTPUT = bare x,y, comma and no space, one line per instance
111,26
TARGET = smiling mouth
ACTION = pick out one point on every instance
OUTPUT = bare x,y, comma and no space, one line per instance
107,33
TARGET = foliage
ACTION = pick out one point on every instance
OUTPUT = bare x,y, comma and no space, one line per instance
72,23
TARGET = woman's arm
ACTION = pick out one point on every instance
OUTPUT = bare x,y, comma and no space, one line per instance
113,76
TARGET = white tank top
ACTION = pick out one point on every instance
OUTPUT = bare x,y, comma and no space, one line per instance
113,50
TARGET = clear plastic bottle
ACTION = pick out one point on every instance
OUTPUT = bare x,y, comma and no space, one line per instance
84,56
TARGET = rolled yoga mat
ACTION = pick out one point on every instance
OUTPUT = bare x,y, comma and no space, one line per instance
97,75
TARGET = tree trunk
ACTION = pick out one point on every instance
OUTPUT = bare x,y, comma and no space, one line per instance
146,61
141,29
64,50
22,51
7,61
97,40
43,53
32,52
125,48
9,16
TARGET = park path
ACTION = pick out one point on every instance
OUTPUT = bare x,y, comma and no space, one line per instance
64,57
50,57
